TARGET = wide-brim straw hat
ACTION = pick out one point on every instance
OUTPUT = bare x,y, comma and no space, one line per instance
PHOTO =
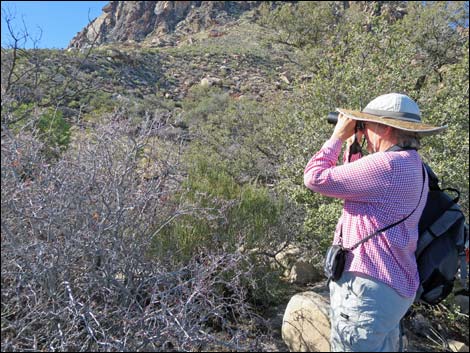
396,110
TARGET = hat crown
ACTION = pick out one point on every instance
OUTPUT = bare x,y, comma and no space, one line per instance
400,105
396,110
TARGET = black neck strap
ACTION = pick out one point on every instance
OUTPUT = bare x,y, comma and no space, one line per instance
396,148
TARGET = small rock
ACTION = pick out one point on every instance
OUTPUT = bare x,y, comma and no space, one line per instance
213,33
287,75
210,81
456,346
204,82
288,256
420,324
463,302
224,70
284,78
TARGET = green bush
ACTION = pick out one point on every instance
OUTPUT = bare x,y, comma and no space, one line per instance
49,123
221,213
202,101
53,129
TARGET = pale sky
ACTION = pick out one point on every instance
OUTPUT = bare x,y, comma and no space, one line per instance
59,20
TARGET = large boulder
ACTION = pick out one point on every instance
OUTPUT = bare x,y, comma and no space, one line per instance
303,272
306,323
297,269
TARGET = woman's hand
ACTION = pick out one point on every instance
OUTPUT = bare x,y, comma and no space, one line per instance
344,128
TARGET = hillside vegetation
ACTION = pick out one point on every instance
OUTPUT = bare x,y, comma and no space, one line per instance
146,191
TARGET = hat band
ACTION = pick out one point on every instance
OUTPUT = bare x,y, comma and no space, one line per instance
397,115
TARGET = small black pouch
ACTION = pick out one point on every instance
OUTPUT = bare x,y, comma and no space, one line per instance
334,262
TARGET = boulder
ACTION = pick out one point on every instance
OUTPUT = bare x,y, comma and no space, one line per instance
288,256
210,81
303,272
456,346
306,323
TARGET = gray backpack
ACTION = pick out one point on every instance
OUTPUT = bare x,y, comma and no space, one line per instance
443,237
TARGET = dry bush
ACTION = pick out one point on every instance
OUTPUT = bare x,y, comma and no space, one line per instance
78,273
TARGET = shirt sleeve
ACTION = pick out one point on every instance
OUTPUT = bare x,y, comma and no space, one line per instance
367,179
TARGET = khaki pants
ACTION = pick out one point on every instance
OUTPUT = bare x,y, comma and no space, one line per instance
365,315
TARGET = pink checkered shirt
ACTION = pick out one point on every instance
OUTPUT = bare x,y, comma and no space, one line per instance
378,190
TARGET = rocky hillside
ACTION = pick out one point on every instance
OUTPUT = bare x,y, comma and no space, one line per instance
207,86
167,47
158,22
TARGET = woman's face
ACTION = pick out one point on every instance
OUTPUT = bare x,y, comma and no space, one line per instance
374,134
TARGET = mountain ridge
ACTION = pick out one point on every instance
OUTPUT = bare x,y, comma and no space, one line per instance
157,23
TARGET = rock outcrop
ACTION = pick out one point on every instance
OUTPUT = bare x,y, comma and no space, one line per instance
154,21
306,323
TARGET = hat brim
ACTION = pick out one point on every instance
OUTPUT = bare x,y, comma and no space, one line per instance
419,128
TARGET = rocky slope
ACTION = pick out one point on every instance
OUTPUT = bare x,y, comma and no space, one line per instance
154,22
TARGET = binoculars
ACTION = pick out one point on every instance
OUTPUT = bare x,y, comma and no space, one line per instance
332,118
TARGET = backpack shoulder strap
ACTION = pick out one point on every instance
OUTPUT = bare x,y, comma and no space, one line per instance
433,179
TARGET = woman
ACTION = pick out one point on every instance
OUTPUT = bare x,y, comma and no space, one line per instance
380,277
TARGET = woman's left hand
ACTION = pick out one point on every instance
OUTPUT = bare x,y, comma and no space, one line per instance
345,127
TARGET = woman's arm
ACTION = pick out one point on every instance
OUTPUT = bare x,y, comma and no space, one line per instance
366,179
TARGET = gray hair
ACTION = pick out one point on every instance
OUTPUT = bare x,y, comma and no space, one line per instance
407,139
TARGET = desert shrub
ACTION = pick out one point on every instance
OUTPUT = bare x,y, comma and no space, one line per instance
77,270
234,156
234,134
223,212
219,213
48,124
226,199
202,101
53,129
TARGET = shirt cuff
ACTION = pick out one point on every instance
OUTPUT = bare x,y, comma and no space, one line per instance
333,143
